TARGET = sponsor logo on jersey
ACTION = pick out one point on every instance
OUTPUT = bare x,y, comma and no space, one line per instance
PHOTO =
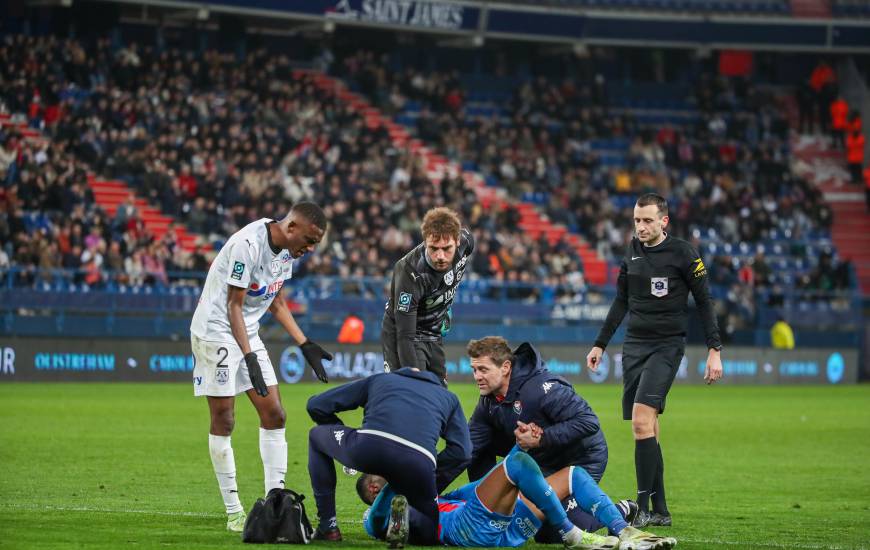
267,292
448,278
462,262
446,297
238,269
527,527
404,302
499,524
659,286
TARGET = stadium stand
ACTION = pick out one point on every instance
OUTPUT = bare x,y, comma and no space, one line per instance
329,153
535,177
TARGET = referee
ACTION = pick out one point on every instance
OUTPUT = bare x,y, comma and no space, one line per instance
655,278
422,289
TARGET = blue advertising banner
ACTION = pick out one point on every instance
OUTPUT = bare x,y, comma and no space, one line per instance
39,359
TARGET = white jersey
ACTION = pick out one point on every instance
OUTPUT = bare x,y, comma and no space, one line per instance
245,261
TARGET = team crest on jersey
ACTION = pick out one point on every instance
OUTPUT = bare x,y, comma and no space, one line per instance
448,278
276,267
518,407
222,375
659,286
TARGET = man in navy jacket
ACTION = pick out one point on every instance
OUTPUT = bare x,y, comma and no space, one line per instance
406,412
523,403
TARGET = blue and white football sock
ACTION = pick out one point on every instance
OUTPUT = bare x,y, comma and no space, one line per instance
523,472
591,498
224,463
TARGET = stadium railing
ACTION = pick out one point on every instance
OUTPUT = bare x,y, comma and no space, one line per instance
39,302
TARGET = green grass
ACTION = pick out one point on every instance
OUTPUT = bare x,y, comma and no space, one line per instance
112,465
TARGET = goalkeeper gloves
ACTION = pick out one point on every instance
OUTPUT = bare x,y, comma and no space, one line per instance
315,355
256,374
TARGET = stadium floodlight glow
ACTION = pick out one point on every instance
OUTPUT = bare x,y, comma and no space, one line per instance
329,26
202,14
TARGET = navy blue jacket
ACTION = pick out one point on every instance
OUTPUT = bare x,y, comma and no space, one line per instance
572,434
409,404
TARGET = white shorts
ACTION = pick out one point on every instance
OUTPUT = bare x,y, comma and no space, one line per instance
219,368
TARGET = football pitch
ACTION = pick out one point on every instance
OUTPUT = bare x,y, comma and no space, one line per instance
127,465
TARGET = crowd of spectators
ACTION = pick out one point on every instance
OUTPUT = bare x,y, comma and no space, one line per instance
726,169
217,143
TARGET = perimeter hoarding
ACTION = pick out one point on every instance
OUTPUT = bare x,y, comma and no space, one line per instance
107,360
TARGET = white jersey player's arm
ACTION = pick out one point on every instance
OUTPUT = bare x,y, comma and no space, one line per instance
235,299
282,314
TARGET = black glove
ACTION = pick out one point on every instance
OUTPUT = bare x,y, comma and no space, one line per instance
315,354
256,374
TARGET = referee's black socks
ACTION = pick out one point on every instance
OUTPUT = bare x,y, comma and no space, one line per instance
646,464
659,504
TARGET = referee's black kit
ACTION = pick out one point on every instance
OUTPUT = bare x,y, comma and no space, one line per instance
653,286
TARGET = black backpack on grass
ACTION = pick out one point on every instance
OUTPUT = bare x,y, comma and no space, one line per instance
280,517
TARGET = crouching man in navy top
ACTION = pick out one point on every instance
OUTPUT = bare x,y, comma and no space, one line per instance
406,412
523,403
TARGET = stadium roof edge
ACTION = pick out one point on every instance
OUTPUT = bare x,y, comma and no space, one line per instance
556,25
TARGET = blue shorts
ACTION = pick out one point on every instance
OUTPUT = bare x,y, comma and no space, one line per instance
465,521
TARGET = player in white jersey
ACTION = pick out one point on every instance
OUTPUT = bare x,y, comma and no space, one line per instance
245,281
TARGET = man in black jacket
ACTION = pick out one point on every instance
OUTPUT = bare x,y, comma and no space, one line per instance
523,403
406,412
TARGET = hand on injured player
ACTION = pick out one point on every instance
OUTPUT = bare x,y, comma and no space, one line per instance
314,355
528,435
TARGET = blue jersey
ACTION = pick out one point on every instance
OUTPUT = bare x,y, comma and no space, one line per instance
464,521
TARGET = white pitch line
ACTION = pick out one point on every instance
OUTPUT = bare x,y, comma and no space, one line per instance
43,507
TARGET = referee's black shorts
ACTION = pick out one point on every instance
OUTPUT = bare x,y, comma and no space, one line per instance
648,370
